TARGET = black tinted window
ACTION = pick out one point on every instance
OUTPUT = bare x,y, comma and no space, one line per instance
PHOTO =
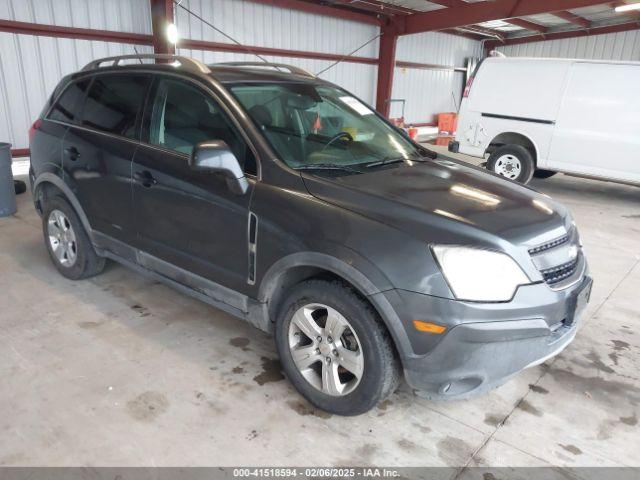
69,106
114,102
183,116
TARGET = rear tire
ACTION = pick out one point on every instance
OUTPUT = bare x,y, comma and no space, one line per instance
347,375
67,241
513,162
540,173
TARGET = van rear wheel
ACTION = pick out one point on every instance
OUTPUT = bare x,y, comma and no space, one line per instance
513,162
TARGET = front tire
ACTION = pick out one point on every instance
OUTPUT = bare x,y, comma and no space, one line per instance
334,348
513,162
67,241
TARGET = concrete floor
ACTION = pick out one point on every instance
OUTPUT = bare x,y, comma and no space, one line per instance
119,370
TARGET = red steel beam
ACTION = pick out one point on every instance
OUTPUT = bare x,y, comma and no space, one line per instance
485,31
161,16
573,18
276,52
486,11
326,10
472,36
428,66
374,6
622,27
515,21
386,65
26,28
19,152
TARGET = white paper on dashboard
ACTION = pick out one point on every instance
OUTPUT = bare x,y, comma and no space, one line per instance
358,106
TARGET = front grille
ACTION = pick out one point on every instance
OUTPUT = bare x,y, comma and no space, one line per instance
558,260
548,246
561,272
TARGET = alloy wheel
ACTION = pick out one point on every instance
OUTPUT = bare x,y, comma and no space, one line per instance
326,349
62,238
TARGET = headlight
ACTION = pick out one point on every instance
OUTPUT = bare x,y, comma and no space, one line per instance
479,275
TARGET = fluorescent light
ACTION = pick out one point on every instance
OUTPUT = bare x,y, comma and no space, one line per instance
627,8
172,33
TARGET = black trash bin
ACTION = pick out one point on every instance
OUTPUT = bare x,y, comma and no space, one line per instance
7,188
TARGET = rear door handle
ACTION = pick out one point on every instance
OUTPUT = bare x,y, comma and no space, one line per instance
145,178
72,153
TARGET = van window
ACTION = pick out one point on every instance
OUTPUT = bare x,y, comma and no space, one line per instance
114,102
69,106
183,116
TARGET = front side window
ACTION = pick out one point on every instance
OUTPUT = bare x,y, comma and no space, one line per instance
315,124
183,116
68,108
114,103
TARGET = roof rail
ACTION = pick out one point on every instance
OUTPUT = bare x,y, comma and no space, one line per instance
293,69
184,62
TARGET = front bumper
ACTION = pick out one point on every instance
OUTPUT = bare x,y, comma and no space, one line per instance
485,344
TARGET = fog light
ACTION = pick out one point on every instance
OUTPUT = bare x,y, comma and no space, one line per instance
428,327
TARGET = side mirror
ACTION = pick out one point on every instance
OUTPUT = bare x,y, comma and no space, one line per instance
216,156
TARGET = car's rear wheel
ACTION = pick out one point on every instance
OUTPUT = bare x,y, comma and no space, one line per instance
540,173
334,348
67,242
513,162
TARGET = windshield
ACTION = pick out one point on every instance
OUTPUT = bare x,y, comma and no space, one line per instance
312,125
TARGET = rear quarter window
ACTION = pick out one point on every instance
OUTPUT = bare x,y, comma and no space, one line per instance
114,103
68,107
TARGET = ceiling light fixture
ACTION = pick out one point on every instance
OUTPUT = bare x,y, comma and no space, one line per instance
628,7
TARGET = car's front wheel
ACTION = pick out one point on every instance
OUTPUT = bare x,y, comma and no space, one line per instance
335,349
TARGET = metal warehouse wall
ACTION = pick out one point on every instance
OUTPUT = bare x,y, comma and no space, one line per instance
31,66
429,92
610,46
267,26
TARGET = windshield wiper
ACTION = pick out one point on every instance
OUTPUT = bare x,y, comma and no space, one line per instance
385,161
328,166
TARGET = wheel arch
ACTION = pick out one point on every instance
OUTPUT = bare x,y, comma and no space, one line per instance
300,267
48,182
514,138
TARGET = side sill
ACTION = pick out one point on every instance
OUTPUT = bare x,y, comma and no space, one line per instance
256,313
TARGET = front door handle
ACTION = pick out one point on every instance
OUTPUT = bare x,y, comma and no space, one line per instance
72,153
145,178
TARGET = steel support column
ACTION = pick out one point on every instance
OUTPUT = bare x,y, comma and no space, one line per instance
161,16
386,64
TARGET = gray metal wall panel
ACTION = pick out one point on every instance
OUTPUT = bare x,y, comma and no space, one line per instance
263,25
359,79
609,46
30,68
429,92
258,24
118,15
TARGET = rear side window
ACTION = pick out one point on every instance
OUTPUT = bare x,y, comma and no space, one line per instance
68,108
114,103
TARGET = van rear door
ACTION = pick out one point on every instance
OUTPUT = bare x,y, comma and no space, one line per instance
597,128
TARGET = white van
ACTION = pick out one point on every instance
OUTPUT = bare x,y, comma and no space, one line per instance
536,116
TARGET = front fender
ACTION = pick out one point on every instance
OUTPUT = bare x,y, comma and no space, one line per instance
351,271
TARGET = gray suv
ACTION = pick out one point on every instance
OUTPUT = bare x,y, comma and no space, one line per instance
286,201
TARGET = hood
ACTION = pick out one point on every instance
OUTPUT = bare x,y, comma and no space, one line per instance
437,197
